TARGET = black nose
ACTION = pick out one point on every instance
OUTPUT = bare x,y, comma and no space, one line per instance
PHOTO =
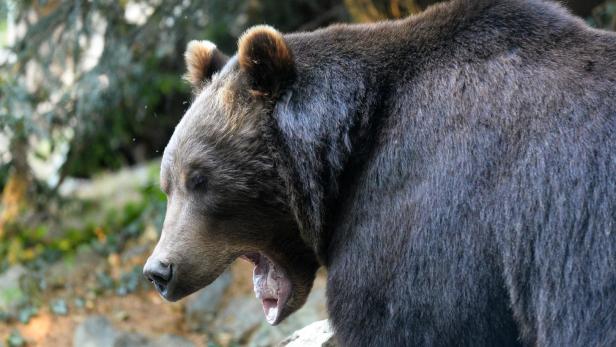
158,273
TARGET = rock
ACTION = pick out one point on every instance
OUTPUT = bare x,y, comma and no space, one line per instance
109,191
202,306
79,303
238,319
116,188
26,313
15,339
11,295
95,331
242,321
317,334
130,340
59,307
171,340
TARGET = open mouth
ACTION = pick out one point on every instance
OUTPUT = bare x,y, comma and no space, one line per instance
271,286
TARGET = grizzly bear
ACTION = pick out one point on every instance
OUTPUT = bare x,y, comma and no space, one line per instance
454,172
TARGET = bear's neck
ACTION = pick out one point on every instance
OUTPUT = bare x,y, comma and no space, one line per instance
324,128
326,124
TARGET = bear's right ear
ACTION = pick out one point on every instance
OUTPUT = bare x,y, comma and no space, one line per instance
267,60
203,60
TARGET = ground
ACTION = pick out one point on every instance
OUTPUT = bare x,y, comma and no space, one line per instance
143,311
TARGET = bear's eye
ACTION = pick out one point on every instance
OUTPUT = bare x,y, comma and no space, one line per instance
196,182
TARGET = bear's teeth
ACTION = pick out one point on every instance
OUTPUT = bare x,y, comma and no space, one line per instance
272,313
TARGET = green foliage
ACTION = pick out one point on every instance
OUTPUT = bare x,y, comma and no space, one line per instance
55,238
12,295
118,107
58,82
4,174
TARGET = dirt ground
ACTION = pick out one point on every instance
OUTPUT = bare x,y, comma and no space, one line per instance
144,312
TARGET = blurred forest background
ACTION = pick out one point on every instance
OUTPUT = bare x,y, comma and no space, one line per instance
90,91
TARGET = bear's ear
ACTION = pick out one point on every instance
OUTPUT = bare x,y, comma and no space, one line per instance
265,57
203,60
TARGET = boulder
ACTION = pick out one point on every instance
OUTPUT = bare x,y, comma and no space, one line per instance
168,340
201,307
97,331
130,340
11,295
317,334
237,320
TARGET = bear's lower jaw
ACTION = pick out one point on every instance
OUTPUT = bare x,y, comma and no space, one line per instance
271,285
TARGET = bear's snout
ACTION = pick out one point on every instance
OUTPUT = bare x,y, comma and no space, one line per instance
159,273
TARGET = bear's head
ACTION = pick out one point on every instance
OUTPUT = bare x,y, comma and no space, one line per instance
225,198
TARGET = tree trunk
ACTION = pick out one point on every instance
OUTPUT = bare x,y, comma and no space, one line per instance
15,193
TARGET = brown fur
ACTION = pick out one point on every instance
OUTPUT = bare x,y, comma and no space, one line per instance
264,55
203,59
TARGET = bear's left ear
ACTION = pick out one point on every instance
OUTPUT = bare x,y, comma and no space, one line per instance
203,60
266,58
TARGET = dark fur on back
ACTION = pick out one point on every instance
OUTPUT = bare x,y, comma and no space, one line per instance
455,172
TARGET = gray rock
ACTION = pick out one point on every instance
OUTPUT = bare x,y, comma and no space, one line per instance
11,294
15,339
95,331
131,340
317,334
59,307
238,319
116,188
168,340
201,307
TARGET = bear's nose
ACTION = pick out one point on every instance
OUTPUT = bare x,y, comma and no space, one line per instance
158,273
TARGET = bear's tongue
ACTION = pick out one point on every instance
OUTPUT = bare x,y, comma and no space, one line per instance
271,286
